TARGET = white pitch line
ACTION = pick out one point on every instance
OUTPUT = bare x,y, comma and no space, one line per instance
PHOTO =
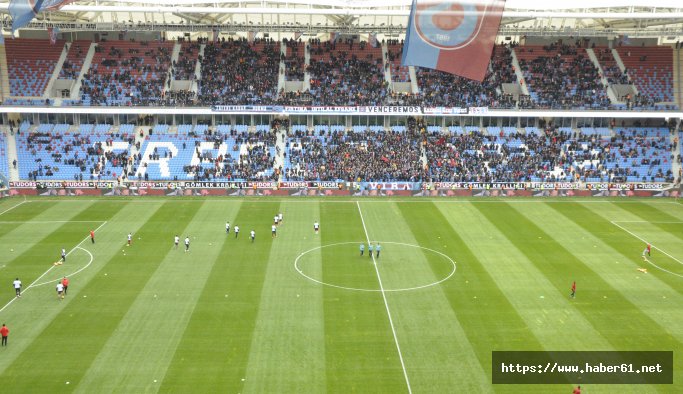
651,244
386,304
48,221
73,273
660,268
645,221
11,208
51,267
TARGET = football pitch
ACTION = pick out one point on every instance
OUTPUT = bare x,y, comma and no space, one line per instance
306,313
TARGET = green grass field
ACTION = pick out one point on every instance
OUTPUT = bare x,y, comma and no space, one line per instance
304,313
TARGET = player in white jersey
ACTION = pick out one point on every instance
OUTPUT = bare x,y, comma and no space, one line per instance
227,227
17,287
237,231
130,238
60,291
187,243
279,216
316,227
176,240
273,231
252,235
63,255
276,219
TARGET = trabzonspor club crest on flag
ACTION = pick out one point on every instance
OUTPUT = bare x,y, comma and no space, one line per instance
453,36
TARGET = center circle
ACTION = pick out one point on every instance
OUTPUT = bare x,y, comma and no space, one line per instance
451,262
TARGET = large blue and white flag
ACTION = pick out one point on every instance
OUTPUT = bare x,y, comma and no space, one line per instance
454,36
23,11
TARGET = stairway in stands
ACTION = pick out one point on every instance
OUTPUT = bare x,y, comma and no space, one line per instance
279,161
4,73
11,151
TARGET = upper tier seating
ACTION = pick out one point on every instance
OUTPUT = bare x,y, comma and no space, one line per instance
346,73
184,68
651,70
237,72
561,76
71,68
394,52
294,60
31,64
127,73
438,88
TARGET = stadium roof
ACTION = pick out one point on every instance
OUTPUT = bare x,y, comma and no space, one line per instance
641,18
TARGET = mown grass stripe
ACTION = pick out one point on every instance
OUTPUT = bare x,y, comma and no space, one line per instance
538,303
36,309
600,303
423,317
598,223
21,213
652,297
98,316
360,353
150,331
489,321
28,244
287,348
215,347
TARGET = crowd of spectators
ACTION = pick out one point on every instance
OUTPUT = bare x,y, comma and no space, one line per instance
355,156
562,76
478,157
346,73
134,75
610,69
249,157
81,151
342,71
294,60
184,67
440,89
239,72
177,98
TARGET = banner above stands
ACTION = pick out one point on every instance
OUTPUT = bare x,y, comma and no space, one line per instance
350,110
356,186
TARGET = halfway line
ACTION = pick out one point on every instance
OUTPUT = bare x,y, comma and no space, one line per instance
386,304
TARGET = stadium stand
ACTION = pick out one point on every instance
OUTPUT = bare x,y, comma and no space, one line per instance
71,68
237,72
294,60
184,68
394,52
31,64
561,75
346,73
4,167
127,73
650,69
442,89
53,152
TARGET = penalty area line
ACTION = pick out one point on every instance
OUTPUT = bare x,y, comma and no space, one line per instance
34,283
651,244
386,304
662,269
11,208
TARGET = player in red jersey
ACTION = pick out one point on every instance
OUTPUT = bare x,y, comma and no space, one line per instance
573,290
